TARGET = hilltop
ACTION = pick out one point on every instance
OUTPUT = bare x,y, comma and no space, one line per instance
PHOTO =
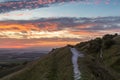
102,58
101,61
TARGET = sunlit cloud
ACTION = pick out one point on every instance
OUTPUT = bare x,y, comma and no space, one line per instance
55,32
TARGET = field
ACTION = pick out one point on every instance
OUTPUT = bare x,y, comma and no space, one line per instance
12,61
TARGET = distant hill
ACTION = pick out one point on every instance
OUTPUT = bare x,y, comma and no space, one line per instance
101,62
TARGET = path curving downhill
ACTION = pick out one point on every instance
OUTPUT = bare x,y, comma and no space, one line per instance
75,56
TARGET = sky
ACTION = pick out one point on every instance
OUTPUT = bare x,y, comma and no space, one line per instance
54,23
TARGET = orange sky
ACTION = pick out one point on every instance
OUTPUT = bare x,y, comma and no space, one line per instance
44,34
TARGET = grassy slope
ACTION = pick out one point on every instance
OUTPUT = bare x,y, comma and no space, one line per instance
95,68
10,70
55,66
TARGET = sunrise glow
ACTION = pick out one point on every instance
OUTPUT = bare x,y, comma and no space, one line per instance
55,23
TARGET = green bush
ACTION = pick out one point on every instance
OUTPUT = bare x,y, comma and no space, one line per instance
108,41
95,45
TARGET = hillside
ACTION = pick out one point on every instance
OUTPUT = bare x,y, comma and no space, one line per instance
102,58
55,66
101,61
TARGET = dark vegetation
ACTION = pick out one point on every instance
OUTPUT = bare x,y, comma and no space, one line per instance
95,45
8,68
12,60
97,67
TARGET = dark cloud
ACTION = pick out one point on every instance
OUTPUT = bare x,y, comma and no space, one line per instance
95,24
11,5
87,24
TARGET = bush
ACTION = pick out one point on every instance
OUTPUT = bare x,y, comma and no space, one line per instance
108,41
95,45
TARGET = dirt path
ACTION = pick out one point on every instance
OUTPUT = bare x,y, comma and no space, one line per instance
76,55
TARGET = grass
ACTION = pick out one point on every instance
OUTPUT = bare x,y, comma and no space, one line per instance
10,70
7,68
56,65
95,68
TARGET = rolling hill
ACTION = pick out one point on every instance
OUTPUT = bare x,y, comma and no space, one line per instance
101,61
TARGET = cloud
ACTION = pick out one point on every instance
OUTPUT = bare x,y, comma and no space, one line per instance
36,43
55,31
57,27
11,5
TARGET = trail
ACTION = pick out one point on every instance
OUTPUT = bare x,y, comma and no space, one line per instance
76,55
